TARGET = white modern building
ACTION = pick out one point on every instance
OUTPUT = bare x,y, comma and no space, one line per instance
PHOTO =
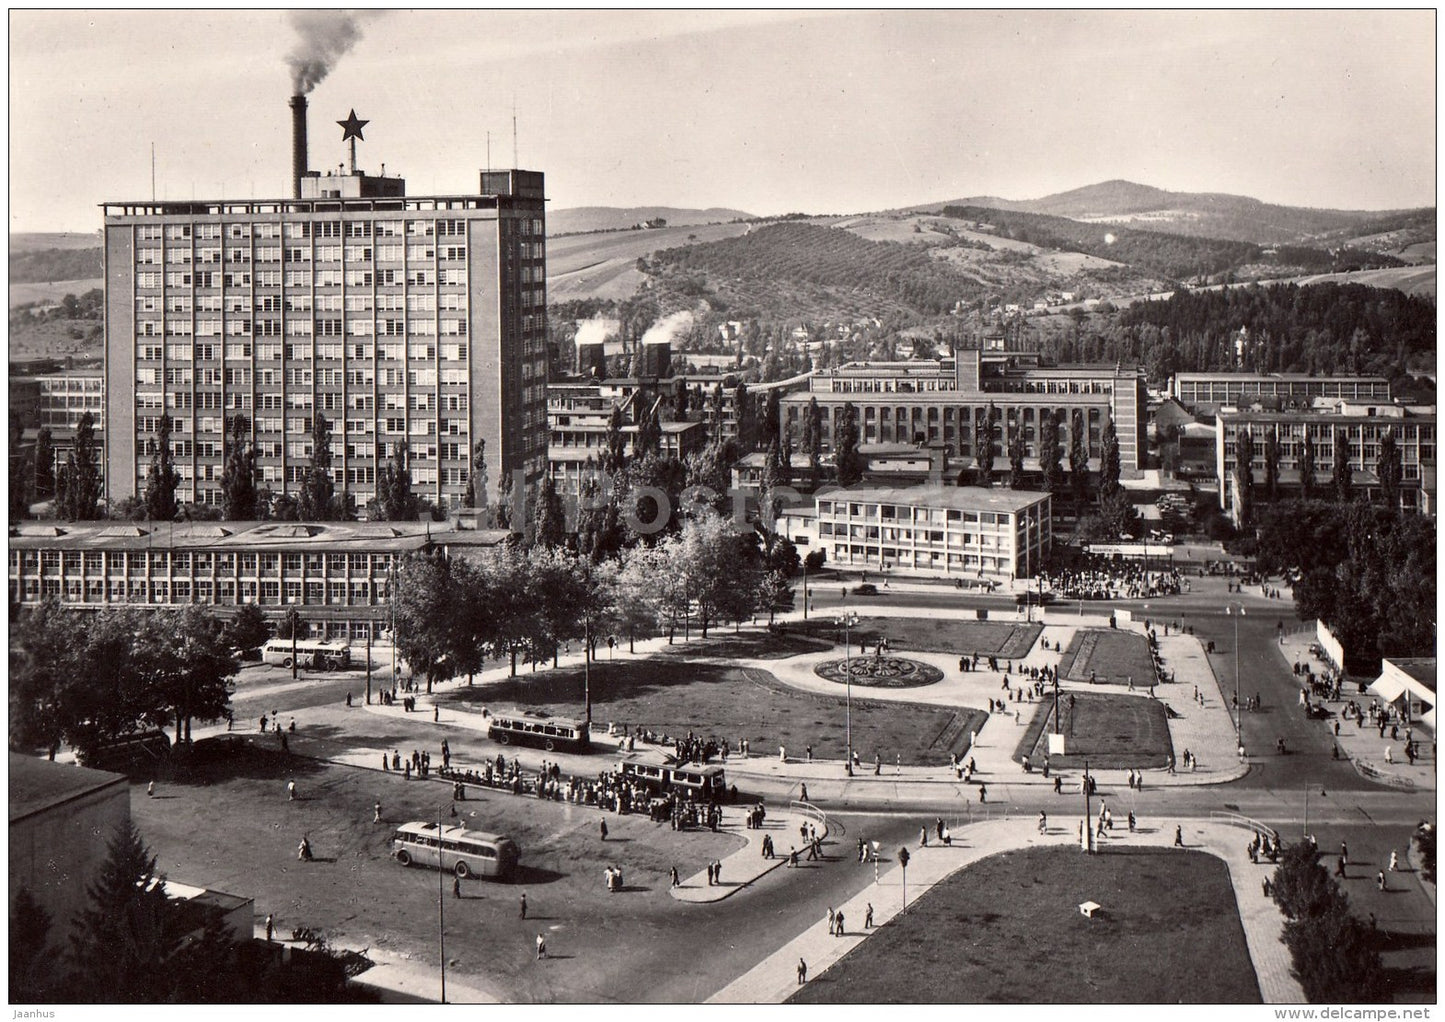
962,531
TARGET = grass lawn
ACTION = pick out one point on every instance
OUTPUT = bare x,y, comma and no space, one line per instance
1110,730
674,694
1109,655
1008,930
1003,639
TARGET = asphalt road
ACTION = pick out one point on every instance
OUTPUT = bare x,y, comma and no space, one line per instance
654,949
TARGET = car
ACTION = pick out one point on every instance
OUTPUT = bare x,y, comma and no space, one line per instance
866,589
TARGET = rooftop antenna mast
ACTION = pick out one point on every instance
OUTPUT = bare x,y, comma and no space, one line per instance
515,162
153,172
489,150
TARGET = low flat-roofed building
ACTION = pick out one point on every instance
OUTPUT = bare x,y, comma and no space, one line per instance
336,573
62,820
944,530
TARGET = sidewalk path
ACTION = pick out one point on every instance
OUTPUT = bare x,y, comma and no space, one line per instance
775,979
1363,745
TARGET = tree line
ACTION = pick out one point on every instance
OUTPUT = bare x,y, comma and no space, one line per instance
84,678
1366,570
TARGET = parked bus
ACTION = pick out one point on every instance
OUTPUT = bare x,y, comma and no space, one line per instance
551,733
467,853
140,751
328,656
705,782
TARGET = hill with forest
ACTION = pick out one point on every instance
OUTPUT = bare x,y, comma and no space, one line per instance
1174,256
1194,214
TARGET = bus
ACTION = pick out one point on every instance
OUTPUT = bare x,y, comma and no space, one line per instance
551,733
705,782
467,853
329,656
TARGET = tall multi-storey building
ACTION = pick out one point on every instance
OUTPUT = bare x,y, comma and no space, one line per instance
416,320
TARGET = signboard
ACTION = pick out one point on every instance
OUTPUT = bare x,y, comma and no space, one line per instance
1131,550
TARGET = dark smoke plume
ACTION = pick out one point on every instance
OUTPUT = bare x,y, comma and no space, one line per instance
325,37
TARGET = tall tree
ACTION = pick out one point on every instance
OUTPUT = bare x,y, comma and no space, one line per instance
80,499
395,501
772,426
1307,464
238,478
649,434
785,457
314,501
549,518
162,479
1388,467
1051,453
33,969
813,437
125,938
1079,458
847,459
476,494
679,399
746,420
983,444
614,450
1243,477
1343,475
1271,465
1016,455
189,665
44,465
1109,459
599,523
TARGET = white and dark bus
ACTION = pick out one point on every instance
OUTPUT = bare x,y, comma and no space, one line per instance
551,733
330,656
467,853
704,782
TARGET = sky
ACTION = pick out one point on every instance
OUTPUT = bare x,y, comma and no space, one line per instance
815,111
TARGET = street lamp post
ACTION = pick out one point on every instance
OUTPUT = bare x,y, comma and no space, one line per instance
1238,733
848,621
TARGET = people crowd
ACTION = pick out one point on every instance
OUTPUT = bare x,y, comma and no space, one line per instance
1095,577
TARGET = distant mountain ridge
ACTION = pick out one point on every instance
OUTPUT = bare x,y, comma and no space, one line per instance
1200,214
619,218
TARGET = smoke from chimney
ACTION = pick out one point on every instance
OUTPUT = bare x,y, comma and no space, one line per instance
668,327
325,37
597,330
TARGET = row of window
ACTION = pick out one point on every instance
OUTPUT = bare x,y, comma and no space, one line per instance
316,594
299,229
163,562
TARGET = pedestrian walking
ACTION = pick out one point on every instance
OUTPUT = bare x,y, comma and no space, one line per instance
832,917
376,810
1178,837
456,887
672,874
524,904
270,924
1043,822
802,972
868,917
839,931
1380,880
923,837
541,947
1344,853
290,791
1394,861
602,828
151,790
303,850
802,793
717,871
983,793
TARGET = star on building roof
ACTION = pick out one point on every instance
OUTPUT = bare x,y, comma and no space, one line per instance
351,127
